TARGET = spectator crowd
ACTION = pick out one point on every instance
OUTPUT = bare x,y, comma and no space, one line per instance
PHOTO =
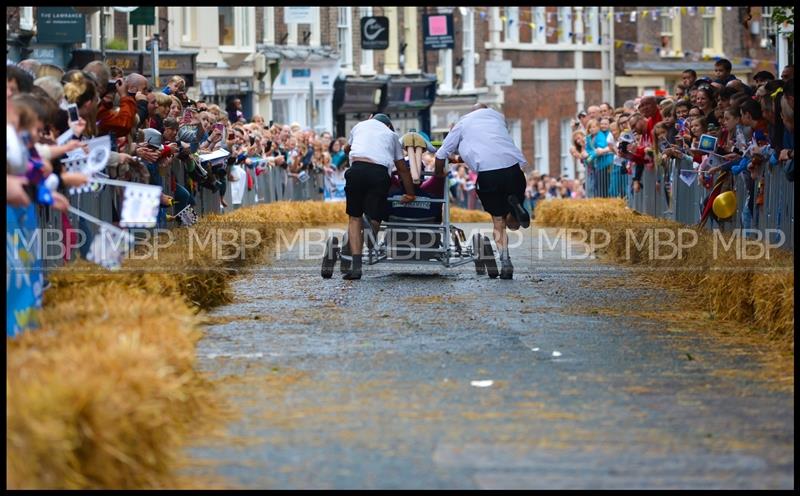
753,125
159,134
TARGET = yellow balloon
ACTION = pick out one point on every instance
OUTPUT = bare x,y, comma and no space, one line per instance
724,205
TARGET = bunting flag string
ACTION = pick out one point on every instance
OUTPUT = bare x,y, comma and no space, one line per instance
692,55
524,16
543,25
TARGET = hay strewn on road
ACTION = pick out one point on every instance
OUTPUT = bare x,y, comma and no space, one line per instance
105,394
759,292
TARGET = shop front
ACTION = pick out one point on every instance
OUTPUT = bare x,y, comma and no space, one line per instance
170,63
303,89
406,100
356,98
409,101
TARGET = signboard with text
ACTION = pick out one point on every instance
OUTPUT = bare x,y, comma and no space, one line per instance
60,25
298,15
374,33
498,72
437,31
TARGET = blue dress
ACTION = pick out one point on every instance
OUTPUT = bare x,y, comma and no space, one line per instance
24,275
600,163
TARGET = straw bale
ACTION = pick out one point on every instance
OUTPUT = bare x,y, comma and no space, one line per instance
756,291
104,393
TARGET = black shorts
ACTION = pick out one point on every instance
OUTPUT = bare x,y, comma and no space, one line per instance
495,186
366,188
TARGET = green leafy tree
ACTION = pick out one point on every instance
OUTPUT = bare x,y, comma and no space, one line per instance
781,15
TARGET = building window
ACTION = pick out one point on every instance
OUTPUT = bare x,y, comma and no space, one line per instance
512,24
565,24
280,110
567,162
367,65
226,23
188,20
515,130
540,146
234,27
139,37
769,31
539,25
709,26
468,29
592,26
269,25
344,27
26,18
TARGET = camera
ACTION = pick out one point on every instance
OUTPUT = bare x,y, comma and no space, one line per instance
252,140
112,86
623,147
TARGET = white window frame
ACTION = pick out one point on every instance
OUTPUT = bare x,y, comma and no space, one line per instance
367,67
565,24
591,29
541,150
188,26
511,26
567,161
540,21
139,35
315,39
269,25
515,130
26,19
768,27
243,30
344,37
446,68
468,31
714,13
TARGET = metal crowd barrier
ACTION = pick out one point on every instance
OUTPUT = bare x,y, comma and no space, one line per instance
685,203
274,184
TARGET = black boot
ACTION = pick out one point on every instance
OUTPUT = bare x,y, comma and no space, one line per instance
355,269
506,269
518,212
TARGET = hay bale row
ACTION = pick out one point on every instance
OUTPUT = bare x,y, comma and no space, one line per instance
757,291
105,393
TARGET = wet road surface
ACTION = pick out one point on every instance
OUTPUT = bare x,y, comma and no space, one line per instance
369,384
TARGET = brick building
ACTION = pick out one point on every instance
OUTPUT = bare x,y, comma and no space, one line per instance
655,45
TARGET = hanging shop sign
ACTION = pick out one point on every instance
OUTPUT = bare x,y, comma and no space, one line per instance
374,33
60,25
437,31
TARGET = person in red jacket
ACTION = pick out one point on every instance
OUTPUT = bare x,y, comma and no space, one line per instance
120,121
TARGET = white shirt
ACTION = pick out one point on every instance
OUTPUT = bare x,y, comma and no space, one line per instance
372,141
483,141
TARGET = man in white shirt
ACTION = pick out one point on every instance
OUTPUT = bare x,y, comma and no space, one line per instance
372,149
483,142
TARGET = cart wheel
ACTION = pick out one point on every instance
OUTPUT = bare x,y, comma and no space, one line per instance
477,252
330,256
488,258
344,265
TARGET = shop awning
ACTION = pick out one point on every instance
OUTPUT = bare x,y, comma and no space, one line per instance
355,95
297,52
414,94
170,63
